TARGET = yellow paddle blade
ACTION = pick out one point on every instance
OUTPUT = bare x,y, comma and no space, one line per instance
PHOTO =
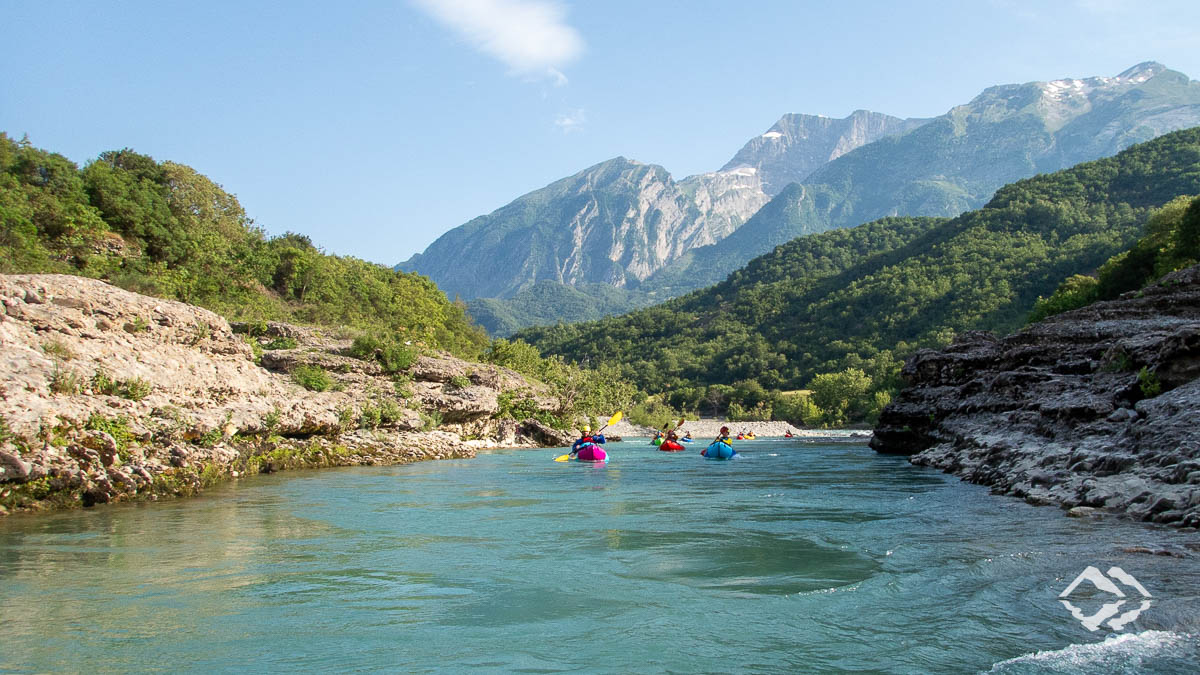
614,419
562,458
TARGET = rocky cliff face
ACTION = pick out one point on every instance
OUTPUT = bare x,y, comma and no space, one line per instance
797,145
1094,410
108,395
614,223
621,221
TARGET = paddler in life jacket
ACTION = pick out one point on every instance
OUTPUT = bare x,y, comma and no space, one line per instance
724,437
585,438
687,436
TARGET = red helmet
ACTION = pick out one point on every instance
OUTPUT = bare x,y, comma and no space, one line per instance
724,430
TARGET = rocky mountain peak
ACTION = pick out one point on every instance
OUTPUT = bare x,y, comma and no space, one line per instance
614,223
799,144
1142,72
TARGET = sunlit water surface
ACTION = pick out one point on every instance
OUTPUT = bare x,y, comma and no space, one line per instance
797,557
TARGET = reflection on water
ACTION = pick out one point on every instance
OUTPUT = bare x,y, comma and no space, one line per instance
797,557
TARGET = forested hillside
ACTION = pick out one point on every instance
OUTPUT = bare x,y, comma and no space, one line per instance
1171,242
549,302
844,307
162,229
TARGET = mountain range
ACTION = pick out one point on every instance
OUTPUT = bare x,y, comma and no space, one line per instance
620,221
630,226
866,297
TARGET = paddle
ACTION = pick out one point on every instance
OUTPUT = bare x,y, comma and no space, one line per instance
611,421
679,424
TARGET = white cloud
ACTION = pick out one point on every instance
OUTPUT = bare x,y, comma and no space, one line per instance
572,121
530,36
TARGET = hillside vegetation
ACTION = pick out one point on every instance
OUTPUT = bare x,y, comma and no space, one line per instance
162,229
549,302
1171,242
836,312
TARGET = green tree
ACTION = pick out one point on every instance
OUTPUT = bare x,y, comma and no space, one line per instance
515,354
842,396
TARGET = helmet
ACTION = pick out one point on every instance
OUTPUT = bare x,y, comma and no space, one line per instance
724,430
586,428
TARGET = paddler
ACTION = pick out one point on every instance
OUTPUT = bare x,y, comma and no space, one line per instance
586,438
724,437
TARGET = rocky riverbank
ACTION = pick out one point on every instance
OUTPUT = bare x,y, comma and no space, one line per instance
708,429
108,395
1096,410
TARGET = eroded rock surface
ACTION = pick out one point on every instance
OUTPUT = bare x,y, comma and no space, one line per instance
1096,408
107,395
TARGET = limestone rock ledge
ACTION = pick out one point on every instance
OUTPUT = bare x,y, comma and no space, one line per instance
108,395
1097,408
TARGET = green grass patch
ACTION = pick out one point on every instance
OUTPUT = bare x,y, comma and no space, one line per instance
1148,382
58,350
430,420
391,354
312,377
64,380
281,343
117,427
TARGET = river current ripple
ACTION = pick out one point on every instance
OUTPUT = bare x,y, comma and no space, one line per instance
800,556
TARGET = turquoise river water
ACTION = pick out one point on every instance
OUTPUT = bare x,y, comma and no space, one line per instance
799,556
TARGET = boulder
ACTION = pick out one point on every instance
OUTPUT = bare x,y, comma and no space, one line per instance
104,444
459,405
12,467
544,436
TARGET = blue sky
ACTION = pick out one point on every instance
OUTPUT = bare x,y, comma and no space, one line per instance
374,127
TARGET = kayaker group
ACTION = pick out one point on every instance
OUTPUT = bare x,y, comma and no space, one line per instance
587,447
670,441
720,448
